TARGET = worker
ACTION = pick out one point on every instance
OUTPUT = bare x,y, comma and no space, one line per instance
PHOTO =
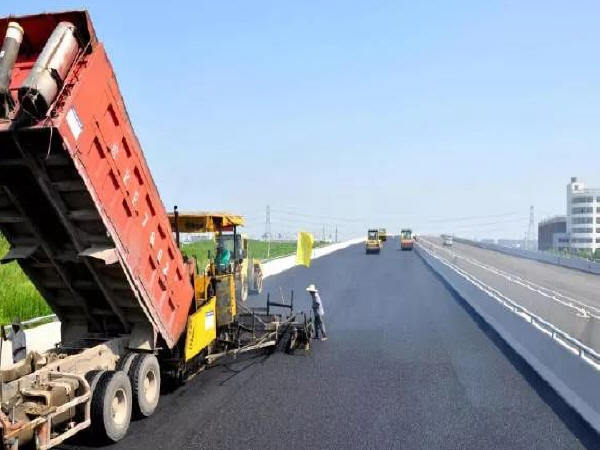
223,258
16,336
318,311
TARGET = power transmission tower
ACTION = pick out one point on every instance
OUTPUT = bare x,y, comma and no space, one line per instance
530,231
268,230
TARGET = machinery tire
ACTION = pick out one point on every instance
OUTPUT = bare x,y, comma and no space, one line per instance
241,292
245,291
258,283
145,384
111,406
283,344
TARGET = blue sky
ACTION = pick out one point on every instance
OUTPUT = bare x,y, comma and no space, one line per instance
353,113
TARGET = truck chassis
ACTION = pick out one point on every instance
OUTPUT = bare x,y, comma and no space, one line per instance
50,397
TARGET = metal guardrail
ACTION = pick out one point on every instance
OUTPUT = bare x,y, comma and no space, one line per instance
585,265
587,354
37,320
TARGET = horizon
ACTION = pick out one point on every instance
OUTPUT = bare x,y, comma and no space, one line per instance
443,118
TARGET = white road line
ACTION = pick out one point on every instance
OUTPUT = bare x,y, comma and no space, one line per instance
582,309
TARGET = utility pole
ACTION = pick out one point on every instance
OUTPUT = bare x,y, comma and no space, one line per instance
268,230
336,234
323,234
530,231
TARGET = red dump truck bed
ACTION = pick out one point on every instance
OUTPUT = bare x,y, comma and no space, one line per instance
77,200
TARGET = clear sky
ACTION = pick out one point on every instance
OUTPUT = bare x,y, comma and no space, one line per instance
360,113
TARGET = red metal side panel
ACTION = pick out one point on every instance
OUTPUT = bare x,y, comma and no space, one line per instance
94,123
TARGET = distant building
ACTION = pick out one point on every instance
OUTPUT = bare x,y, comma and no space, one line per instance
580,228
552,233
583,216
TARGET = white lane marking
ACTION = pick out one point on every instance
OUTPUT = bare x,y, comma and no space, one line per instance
562,338
583,309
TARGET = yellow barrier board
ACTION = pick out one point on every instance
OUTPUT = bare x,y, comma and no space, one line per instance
304,248
201,329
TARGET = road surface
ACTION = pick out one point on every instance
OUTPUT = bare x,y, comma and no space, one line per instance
567,298
407,365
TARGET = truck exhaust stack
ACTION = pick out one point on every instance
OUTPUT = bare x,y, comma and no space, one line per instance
45,80
8,56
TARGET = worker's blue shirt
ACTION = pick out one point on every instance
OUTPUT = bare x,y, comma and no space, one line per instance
224,258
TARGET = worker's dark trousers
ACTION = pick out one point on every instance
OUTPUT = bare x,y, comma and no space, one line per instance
319,325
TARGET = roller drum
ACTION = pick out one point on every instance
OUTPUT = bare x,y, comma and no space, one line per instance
8,56
47,76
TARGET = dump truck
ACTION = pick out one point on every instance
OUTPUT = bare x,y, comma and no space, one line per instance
224,226
406,239
85,222
373,244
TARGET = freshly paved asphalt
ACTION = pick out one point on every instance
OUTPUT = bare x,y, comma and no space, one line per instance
407,365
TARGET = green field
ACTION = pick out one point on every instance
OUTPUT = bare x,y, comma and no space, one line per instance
256,249
19,297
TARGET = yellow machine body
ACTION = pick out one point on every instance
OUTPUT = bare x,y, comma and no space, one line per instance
201,329
226,303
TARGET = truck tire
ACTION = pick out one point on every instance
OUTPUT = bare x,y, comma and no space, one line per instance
111,406
126,362
145,384
92,378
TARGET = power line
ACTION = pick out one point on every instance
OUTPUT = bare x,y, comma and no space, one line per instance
317,216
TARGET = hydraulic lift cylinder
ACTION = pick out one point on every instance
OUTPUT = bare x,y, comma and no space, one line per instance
8,56
45,80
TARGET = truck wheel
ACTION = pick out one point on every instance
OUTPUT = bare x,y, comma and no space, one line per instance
126,362
92,378
111,406
145,384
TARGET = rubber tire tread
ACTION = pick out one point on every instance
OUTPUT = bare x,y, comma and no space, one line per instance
98,427
126,362
136,379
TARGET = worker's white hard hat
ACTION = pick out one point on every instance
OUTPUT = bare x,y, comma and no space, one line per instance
312,288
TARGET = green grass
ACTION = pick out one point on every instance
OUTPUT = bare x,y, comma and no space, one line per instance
20,298
256,249
18,295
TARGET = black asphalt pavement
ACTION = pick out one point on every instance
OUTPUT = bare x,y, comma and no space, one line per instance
407,365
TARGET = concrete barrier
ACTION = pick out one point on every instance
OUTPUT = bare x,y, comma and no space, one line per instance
573,377
278,265
564,261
